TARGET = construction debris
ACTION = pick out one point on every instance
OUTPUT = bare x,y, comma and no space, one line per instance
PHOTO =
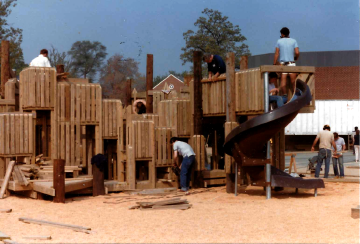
3,236
5,210
66,226
37,237
175,203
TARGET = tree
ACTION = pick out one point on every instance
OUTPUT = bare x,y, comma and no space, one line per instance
13,35
87,57
115,73
55,57
215,35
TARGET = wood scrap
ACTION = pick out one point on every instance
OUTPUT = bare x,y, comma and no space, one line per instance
19,176
7,178
77,228
355,212
3,236
175,203
9,241
5,210
37,237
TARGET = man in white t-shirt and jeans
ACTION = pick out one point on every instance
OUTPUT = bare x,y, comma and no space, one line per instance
338,157
326,140
185,150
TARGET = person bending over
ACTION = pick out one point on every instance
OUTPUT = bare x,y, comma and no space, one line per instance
183,149
216,65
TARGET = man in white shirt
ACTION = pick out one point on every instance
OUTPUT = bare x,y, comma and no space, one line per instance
185,150
326,140
41,60
338,157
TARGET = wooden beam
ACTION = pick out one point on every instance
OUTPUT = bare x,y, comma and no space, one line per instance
149,82
59,180
287,69
4,185
128,92
66,226
3,236
5,210
98,181
244,62
5,66
197,93
230,87
37,237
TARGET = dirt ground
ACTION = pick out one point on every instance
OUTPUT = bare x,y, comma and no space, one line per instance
214,217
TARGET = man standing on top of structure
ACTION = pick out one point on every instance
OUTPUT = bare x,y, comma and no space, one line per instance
326,140
185,150
288,51
216,66
41,60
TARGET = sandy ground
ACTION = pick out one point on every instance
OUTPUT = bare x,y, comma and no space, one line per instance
215,217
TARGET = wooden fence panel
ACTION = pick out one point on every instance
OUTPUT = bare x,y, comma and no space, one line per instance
158,96
198,144
16,130
229,161
143,134
112,117
37,88
163,150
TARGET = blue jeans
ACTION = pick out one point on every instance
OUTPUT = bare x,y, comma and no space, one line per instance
280,100
341,165
297,94
185,172
323,154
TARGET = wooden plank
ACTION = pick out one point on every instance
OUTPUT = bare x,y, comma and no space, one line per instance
221,181
21,134
42,87
106,118
37,237
5,210
88,104
93,101
54,224
12,135
47,88
20,176
355,214
83,103
287,69
2,138
78,185
44,187
3,236
9,170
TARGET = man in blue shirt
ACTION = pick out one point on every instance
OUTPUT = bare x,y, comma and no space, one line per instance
288,51
216,66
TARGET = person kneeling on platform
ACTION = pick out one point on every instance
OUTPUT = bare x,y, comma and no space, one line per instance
273,90
183,149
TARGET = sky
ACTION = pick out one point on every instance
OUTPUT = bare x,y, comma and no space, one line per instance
135,28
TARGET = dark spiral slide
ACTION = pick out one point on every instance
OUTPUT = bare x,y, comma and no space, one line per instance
247,143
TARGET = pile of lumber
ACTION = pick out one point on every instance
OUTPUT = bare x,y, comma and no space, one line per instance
174,203
34,171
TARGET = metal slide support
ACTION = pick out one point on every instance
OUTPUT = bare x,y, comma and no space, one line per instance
266,109
236,178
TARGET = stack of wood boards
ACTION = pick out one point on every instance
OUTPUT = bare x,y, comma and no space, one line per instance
175,203
33,171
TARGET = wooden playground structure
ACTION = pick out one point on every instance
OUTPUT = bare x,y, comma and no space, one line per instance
45,113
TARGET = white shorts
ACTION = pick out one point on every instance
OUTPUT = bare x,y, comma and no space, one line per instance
292,64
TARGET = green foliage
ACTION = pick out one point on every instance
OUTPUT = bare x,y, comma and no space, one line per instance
55,57
114,74
13,35
178,75
214,35
87,57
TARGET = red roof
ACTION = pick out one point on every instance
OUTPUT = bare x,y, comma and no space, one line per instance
171,81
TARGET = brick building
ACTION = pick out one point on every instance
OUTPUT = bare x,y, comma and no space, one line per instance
337,94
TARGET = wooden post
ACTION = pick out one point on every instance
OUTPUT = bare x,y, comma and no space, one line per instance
59,180
5,66
198,113
243,62
230,110
230,87
9,169
149,83
128,92
98,181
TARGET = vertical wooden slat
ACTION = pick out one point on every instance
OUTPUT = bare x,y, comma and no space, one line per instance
67,142
42,87
83,144
2,137
72,141
83,103
21,133
93,102
88,104
12,135
26,133
47,88
72,102
106,118
110,125
31,135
